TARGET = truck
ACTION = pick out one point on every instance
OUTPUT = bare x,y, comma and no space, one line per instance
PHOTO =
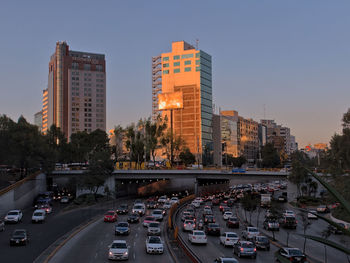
265,200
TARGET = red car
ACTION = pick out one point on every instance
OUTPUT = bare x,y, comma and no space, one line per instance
110,216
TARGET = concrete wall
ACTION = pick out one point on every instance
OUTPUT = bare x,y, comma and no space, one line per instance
22,195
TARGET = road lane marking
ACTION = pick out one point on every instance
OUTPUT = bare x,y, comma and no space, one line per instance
134,256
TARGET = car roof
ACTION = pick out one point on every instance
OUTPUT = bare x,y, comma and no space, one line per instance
39,210
15,210
231,233
246,242
119,241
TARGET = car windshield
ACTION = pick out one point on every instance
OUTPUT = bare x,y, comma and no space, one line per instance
247,245
149,218
19,233
229,261
233,219
138,207
189,222
13,213
123,206
232,235
157,212
295,252
154,240
119,245
213,225
122,225
154,224
110,213
253,230
262,239
198,233
38,213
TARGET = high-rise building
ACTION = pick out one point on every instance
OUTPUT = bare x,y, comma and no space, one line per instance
75,99
188,70
38,119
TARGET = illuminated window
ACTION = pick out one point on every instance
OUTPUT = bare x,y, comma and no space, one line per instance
165,71
188,62
187,56
166,65
176,57
177,70
176,64
165,58
187,69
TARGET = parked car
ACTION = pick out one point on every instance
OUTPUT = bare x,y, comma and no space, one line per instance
38,216
154,245
118,250
312,214
232,222
226,215
123,209
229,238
153,229
133,218
147,220
245,249
122,228
19,237
13,216
261,242
271,224
110,216
158,214
250,233
189,225
225,260
289,222
292,254
212,229
197,237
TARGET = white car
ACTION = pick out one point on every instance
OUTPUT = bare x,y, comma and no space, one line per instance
189,225
196,204
198,237
162,199
13,216
154,245
158,214
167,205
227,215
312,214
174,200
229,238
139,209
199,199
289,213
153,229
38,216
118,250
250,233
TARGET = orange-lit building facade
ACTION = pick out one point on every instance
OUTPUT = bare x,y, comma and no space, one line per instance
75,99
188,70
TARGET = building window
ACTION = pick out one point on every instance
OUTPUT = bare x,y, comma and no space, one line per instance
198,61
165,58
197,55
87,66
187,56
99,68
177,70
75,65
166,65
187,69
176,64
176,57
188,62
165,71
198,68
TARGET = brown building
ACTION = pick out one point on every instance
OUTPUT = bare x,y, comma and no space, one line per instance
75,99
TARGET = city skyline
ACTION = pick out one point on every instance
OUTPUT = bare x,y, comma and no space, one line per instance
291,68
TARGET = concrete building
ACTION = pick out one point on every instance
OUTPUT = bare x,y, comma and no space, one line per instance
188,70
75,99
38,119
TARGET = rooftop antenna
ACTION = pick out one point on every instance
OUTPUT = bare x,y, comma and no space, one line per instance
197,43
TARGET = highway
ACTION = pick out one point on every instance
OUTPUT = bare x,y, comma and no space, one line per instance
91,244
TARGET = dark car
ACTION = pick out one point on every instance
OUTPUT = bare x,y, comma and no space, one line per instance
289,222
19,237
293,255
244,249
212,229
123,209
225,209
134,218
152,205
282,198
271,224
230,202
335,230
232,222
215,201
122,228
261,242
209,219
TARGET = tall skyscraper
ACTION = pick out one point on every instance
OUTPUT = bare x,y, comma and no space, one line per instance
75,99
188,70
38,119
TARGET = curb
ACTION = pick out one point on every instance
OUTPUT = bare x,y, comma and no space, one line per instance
166,238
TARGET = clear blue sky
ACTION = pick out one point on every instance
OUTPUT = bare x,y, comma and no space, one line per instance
292,56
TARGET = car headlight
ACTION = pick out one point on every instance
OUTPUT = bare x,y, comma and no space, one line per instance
126,253
110,253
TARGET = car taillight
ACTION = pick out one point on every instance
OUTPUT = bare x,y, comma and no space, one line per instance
254,249
185,224
227,239
194,237
242,249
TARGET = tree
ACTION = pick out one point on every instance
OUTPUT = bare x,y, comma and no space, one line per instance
305,223
135,143
154,131
178,144
275,213
270,157
187,157
299,175
249,204
346,120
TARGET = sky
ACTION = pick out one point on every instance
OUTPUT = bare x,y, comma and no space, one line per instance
282,60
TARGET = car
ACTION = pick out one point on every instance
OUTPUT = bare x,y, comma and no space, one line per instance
229,238
167,205
158,214
291,254
2,225
189,225
261,242
227,215
215,201
250,233
147,220
289,222
64,200
322,209
312,214
133,218
122,228
271,224
335,230
289,213
110,216
232,222
245,249
212,229
153,229
139,209
209,219
162,199
13,216
152,205
38,216
283,197
230,202
19,237
118,250
197,237
184,214
138,202
225,209
221,207
47,208
123,209
196,204
225,260
154,245
174,200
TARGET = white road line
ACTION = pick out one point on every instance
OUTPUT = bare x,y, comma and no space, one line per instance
134,256
136,234
96,255
134,243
